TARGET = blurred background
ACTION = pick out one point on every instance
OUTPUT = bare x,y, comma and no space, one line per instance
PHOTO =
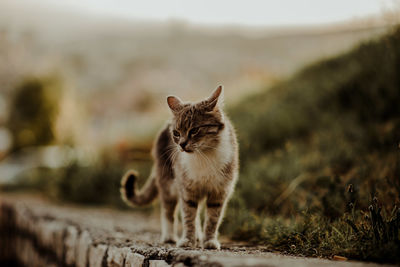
313,88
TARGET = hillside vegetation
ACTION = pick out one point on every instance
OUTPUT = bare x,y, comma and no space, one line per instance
320,158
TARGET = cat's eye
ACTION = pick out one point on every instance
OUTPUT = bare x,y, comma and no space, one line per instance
176,133
212,129
194,131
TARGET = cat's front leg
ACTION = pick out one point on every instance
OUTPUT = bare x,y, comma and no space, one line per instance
199,233
189,211
168,220
214,215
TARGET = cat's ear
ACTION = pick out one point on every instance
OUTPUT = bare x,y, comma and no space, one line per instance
174,103
214,98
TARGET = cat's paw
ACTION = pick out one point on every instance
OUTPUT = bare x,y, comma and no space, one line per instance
168,240
186,243
212,244
199,240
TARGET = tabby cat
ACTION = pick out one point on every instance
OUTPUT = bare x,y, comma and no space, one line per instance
195,162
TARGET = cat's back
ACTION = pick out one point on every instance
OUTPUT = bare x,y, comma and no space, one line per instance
163,152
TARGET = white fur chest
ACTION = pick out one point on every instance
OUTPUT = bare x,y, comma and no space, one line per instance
207,169
202,167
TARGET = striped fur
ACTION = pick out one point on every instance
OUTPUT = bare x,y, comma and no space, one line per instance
130,196
195,164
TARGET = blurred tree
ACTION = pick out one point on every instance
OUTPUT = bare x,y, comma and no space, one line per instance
33,112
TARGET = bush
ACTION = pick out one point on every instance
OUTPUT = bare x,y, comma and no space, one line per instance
94,184
33,112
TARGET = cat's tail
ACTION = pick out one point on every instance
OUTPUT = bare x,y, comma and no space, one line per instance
128,189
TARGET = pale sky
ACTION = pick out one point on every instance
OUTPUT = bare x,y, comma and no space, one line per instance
247,12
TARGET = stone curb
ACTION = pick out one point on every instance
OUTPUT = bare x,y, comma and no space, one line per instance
37,237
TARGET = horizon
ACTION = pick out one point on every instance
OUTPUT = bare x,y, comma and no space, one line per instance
223,13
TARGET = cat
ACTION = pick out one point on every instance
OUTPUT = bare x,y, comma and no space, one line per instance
195,162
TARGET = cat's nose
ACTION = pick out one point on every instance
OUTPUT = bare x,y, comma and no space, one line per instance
183,144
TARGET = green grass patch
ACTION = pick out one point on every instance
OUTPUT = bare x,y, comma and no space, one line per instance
334,125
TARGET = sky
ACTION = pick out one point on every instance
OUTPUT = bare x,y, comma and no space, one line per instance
222,12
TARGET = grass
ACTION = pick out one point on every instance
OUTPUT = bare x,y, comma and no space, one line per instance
96,184
334,125
320,161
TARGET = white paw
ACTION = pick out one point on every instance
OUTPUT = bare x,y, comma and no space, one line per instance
186,243
212,244
199,239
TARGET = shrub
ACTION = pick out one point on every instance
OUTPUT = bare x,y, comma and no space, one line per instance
33,112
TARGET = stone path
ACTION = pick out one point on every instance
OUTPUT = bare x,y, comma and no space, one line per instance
35,232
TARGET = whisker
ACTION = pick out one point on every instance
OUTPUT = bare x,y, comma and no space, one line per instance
168,148
170,157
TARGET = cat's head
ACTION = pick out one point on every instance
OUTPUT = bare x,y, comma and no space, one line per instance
197,126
